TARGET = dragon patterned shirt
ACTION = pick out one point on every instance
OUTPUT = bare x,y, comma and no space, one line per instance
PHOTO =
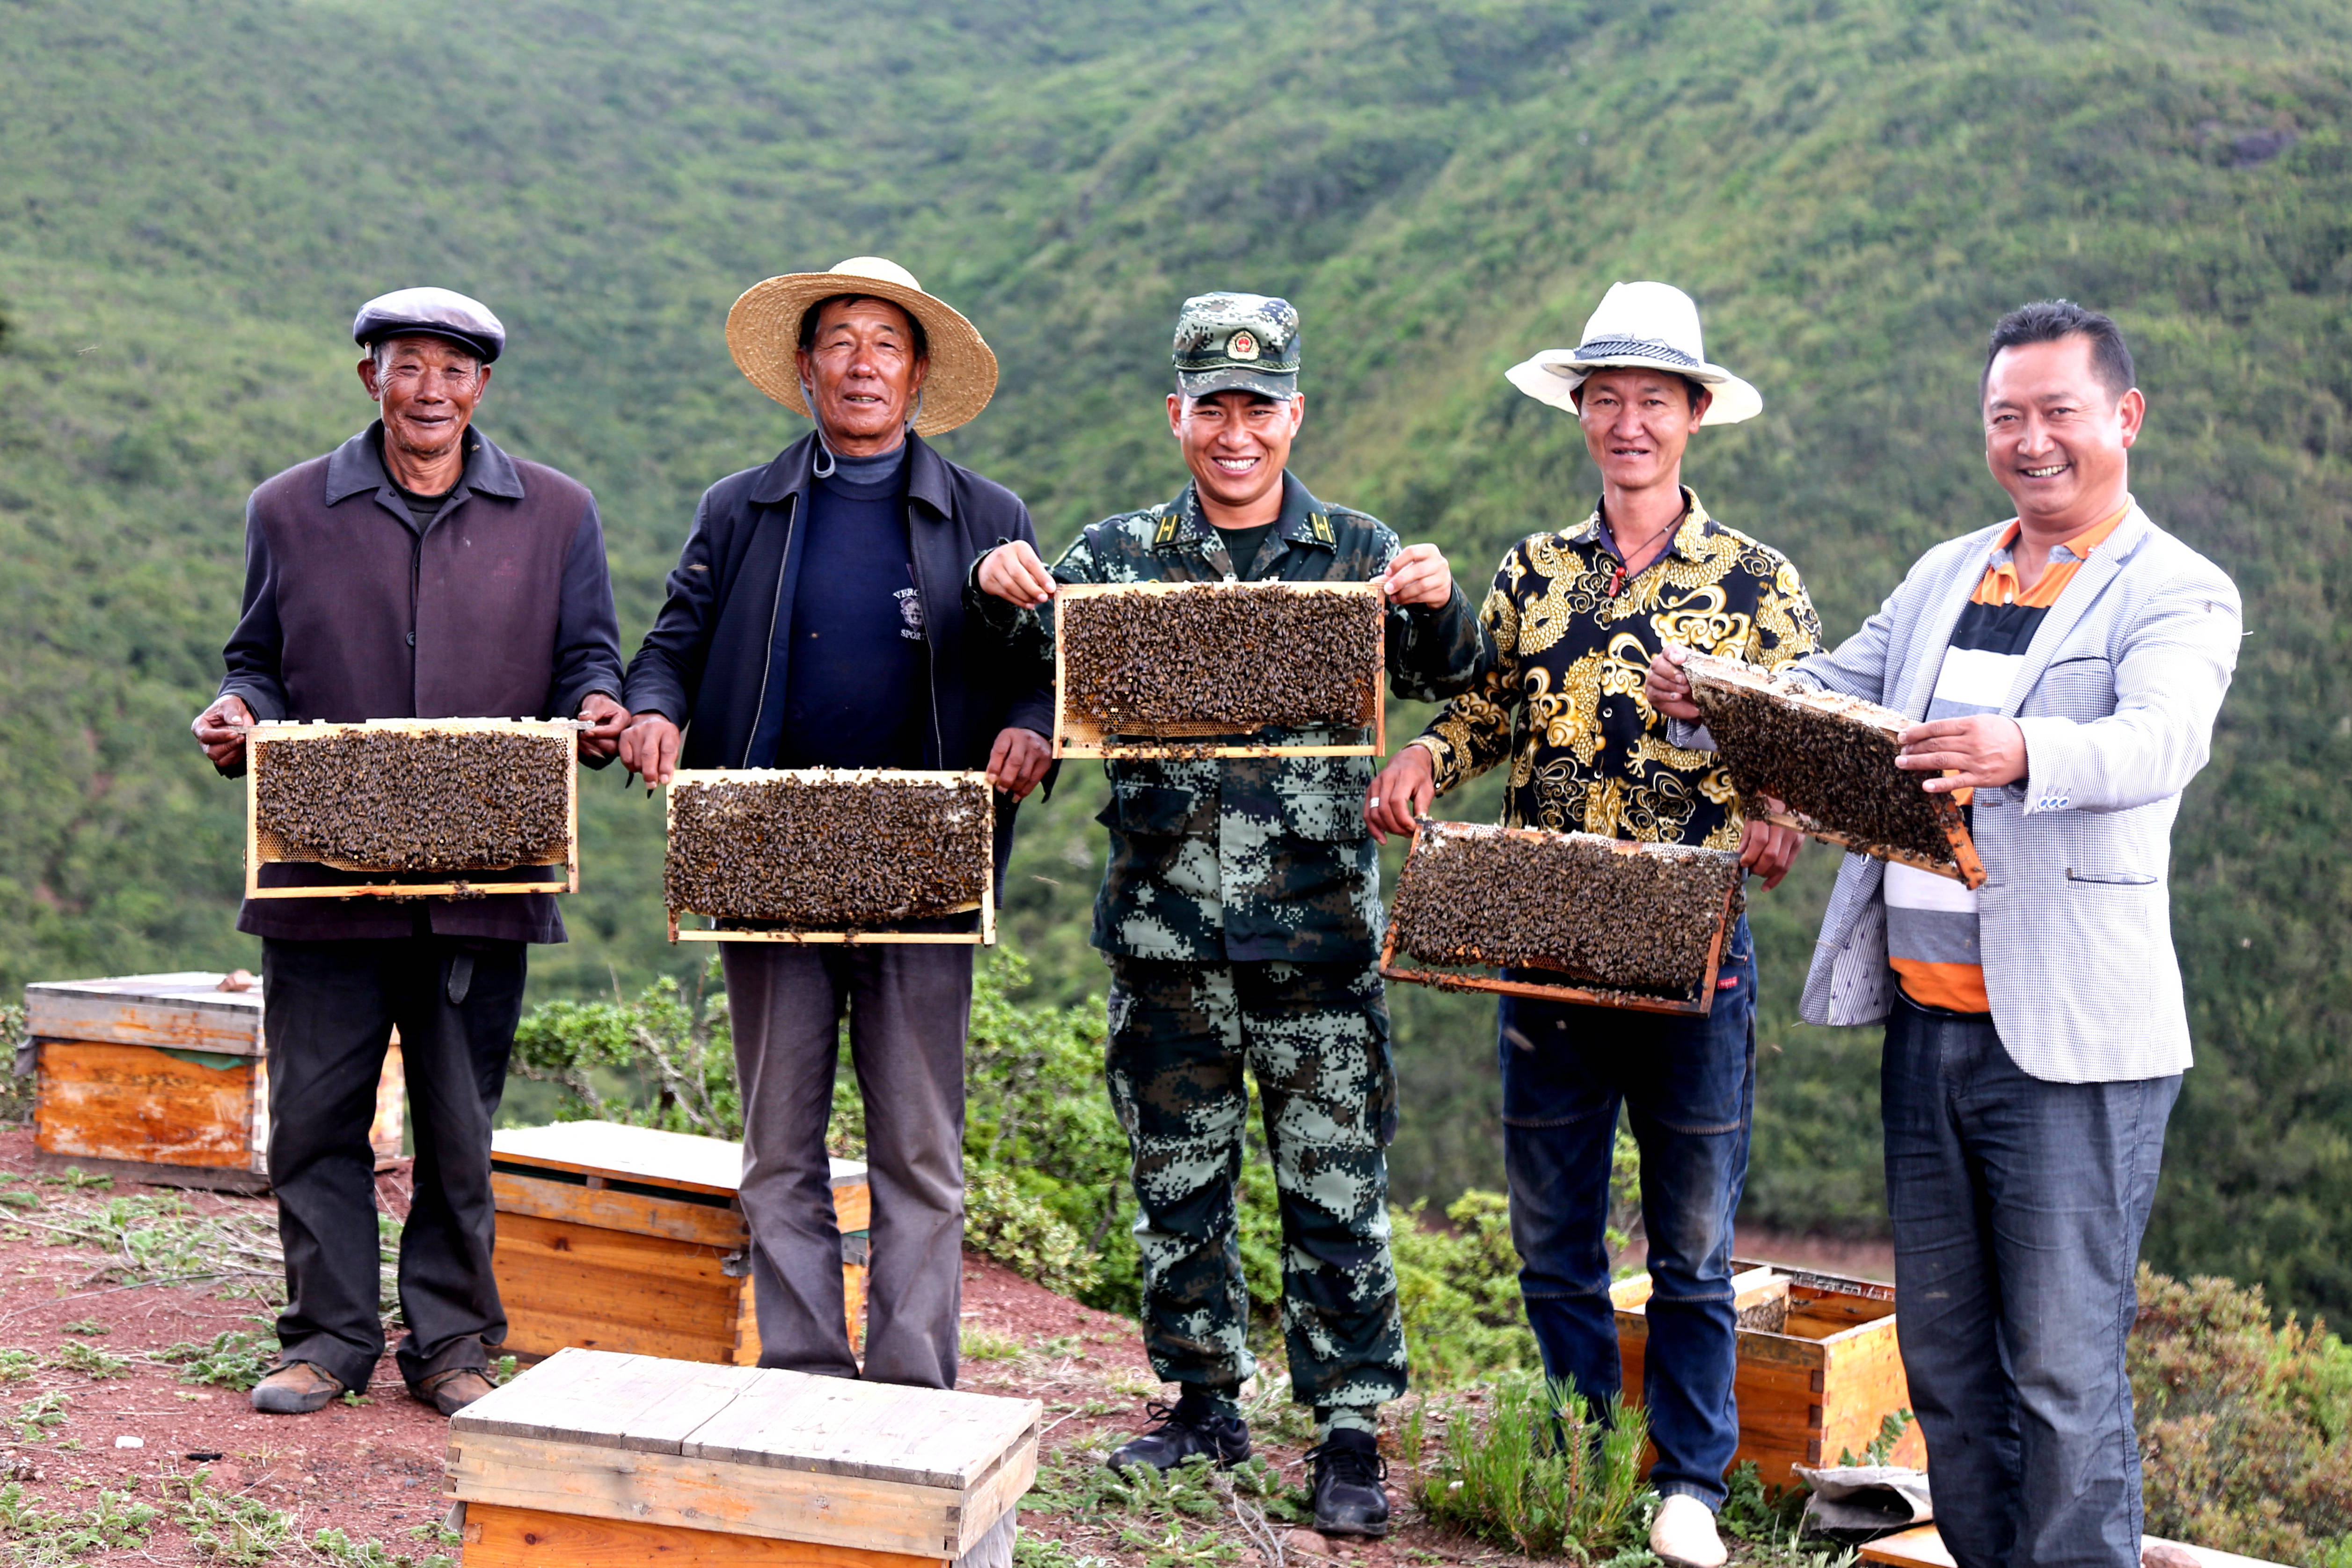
1248,859
1563,702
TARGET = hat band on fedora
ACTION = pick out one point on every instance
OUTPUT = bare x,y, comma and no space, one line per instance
1620,348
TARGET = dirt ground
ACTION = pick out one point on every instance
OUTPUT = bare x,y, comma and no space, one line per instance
372,1470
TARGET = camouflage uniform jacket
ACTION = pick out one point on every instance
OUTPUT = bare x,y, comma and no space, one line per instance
1248,859
1563,700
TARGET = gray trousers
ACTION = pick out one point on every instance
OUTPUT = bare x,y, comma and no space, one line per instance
2019,1205
909,1007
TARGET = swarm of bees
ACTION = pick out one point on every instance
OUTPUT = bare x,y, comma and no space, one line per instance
415,801
1830,758
1635,919
1229,658
812,853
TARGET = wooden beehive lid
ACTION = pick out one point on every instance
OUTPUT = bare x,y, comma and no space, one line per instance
643,1154
782,1453
186,1011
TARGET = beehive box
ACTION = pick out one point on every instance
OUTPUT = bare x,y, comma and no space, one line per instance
592,1458
1191,669
1819,1366
823,855
623,1238
411,807
165,1079
1830,759
1620,923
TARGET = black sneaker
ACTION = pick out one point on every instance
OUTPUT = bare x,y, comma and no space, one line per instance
1349,1499
1187,1427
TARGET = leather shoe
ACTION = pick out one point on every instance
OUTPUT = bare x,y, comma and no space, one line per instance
1682,1535
1349,1499
1186,1429
451,1391
296,1389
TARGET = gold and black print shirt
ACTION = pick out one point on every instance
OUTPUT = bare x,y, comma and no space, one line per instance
1564,701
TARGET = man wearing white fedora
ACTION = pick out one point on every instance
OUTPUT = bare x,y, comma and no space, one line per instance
816,619
1576,614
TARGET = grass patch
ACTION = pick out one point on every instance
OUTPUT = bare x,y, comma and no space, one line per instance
91,1326
242,1531
1535,1470
35,1416
116,1521
236,1358
15,1366
984,1344
87,1358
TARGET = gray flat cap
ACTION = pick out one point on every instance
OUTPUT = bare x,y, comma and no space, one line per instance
431,313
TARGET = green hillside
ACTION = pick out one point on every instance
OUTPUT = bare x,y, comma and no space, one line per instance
193,199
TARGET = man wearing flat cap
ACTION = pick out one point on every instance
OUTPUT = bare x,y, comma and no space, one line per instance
415,571
1240,916
1578,613
816,619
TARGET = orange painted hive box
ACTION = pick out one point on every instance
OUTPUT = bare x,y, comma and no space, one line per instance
593,1457
165,1079
625,1238
1819,1367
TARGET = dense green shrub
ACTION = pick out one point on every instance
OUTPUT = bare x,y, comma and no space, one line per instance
2245,1429
1528,1470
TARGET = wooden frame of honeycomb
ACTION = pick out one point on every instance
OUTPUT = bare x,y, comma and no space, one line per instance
265,845
1701,907
1844,774
1097,734
978,798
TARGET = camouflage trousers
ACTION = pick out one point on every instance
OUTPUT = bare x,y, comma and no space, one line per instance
1317,1037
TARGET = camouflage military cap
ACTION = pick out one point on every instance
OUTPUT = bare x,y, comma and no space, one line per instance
1244,342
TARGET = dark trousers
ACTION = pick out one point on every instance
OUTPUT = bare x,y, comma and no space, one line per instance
1688,1086
1317,1037
330,1008
2019,1206
909,1009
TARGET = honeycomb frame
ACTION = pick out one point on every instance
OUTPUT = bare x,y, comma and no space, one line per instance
1089,734
688,780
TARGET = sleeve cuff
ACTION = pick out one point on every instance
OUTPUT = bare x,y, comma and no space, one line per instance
1688,734
2044,788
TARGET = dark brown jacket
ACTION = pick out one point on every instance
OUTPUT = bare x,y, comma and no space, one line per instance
502,608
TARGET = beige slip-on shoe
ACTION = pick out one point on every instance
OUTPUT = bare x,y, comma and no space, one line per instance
1683,1533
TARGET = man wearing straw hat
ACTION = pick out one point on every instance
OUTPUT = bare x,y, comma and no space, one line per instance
415,571
1576,614
816,619
1241,917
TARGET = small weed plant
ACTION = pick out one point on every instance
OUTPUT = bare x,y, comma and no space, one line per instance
1535,1470
82,1356
236,1358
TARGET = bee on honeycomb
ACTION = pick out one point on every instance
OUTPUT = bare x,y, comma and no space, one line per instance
813,854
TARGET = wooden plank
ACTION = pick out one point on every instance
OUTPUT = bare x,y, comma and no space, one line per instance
388,1131
704,1494
203,1178
501,1537
604,1209
686,1161
596,1399
184,1011
137,1104
916,1436
1920,1548
570,1285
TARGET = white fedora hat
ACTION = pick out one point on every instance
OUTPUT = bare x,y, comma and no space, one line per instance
1649,325
764,328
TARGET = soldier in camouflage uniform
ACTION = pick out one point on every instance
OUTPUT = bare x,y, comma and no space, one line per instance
1240,916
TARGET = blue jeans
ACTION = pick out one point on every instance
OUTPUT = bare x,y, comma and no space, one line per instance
2019,1206
1689,1087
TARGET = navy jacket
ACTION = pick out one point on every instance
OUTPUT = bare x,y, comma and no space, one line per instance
706,664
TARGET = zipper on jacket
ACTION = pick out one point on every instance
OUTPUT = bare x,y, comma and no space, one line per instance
768,670
931,665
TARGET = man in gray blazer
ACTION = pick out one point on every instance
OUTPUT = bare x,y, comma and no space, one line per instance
2067,666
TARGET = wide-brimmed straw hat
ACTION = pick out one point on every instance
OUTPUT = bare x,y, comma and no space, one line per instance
1652,326
764,328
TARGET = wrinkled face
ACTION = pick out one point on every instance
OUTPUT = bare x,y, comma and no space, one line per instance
862,373
1235,443
2056,438
1636,423
428,388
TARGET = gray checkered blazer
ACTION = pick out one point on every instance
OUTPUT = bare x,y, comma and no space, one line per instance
2116,699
